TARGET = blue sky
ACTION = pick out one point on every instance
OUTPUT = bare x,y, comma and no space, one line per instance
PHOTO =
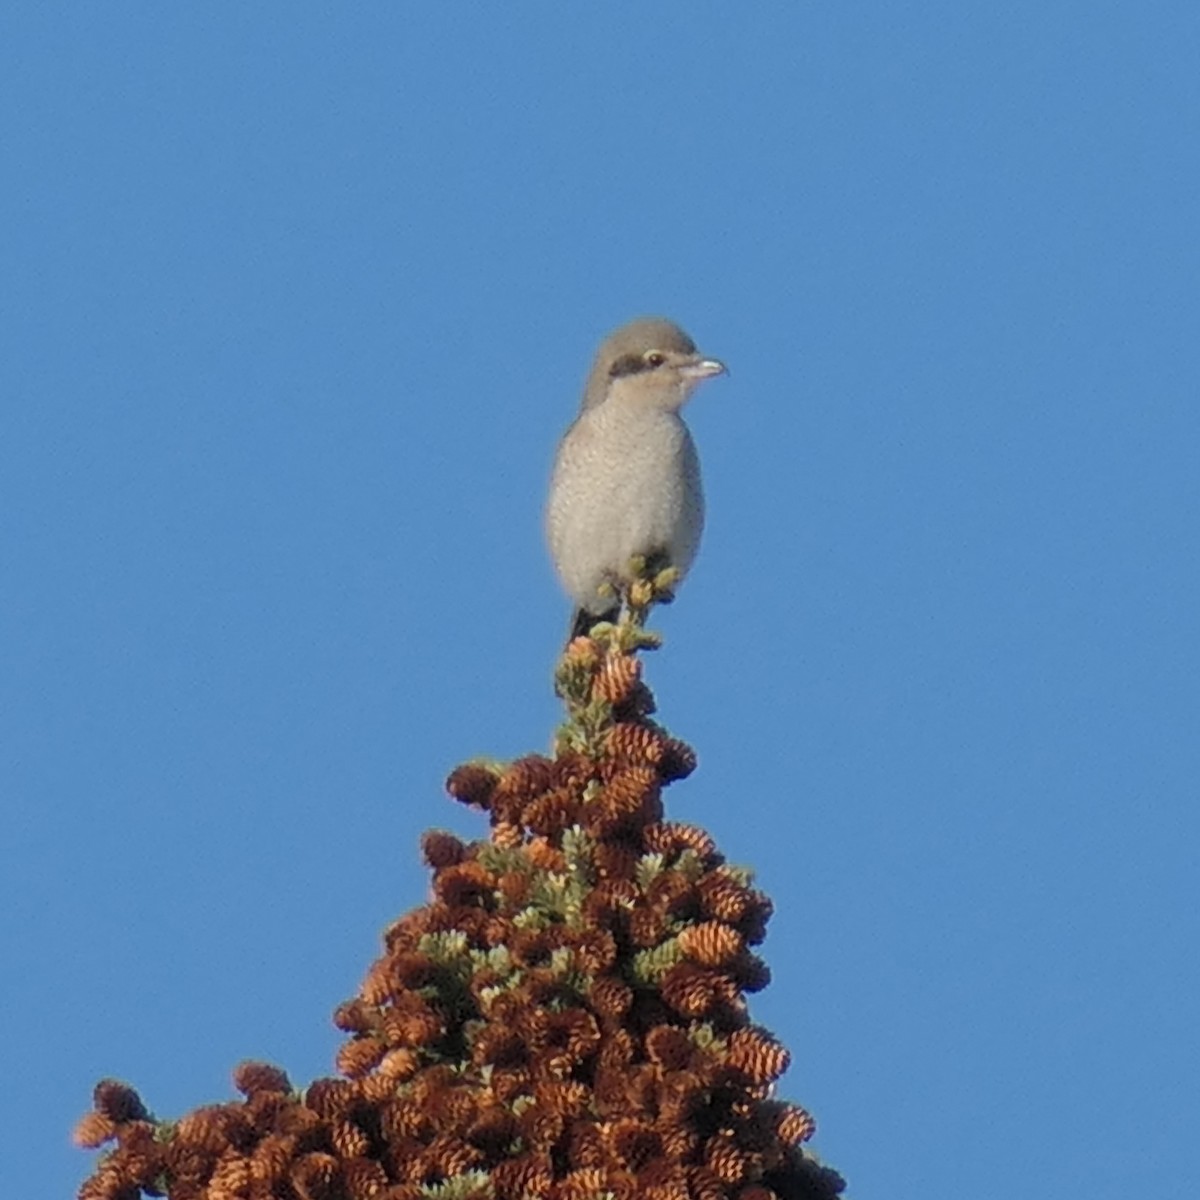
296,300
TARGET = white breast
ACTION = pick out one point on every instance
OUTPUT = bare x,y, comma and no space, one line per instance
625,482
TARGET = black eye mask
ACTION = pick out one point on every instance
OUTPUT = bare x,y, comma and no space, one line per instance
630,364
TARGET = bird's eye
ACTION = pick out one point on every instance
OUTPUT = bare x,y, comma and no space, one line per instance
655,358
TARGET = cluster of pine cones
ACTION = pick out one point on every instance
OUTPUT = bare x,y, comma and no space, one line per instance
565,1019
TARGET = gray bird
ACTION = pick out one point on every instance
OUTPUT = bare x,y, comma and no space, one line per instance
626,476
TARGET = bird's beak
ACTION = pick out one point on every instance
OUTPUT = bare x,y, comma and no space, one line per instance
703,368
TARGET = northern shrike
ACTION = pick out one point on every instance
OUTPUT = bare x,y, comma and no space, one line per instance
626,476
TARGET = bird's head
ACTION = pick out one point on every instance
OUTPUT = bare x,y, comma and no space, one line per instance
650,362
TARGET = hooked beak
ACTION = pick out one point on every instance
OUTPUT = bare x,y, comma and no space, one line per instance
703,368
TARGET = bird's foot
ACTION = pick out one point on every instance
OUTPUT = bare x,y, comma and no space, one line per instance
649,580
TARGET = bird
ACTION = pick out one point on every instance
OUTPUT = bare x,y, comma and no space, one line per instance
626,476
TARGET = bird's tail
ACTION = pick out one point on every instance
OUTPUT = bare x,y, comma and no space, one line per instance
582,621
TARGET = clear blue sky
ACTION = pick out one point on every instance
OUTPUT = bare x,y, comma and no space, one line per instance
296,300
